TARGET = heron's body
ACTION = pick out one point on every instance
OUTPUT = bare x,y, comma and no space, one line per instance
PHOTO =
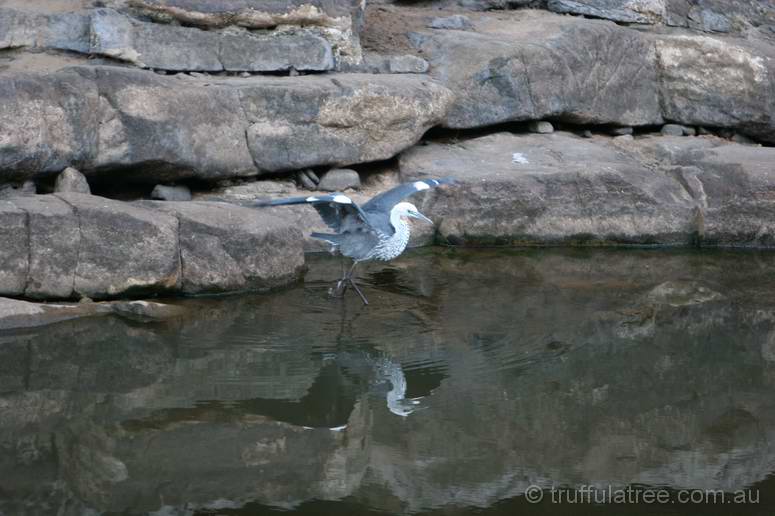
377,231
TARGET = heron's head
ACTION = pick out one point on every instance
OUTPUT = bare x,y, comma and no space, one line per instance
407,209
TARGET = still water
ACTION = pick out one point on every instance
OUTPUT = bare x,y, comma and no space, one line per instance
476,382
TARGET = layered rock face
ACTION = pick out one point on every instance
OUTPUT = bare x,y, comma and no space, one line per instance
75,245
189,93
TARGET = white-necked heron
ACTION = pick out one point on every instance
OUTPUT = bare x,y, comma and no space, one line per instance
378,230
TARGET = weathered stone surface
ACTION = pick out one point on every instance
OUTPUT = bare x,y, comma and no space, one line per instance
714,82
339,179
545,189
123,248
341,120
721,15
167,47
541,127
56,31
627,11
672,130
529,65
14,250
564,190
227,248
171,193
47,123
108,119
338,21
26,189
71,180
53,237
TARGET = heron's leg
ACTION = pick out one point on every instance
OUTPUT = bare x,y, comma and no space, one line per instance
341,285
354,285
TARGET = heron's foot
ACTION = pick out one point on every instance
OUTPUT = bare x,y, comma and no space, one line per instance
339,289
358,291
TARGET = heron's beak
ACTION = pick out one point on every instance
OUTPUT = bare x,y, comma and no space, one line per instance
420,216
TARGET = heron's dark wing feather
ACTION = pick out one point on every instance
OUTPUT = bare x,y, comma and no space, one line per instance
378,207
338,211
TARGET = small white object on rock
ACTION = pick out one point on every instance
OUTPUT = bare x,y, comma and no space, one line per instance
519,158
171,193
339,179
71,180
541,127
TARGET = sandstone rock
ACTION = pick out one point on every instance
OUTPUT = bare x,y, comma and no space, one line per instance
454,22
529,65
541,127
108,120
167,47
338,21
171,193
627,11
72,181
719,83
226,248
144,258
339,179
570,190
54,241
14,250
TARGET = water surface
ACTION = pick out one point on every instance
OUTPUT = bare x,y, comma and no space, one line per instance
472,378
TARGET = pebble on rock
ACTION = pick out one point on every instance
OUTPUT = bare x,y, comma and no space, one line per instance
407,64
541,127
672,130
71,180
339,179
171,193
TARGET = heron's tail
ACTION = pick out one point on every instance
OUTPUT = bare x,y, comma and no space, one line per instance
331,238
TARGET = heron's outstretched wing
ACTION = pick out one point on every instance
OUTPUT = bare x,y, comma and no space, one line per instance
378,208
385,201
337,210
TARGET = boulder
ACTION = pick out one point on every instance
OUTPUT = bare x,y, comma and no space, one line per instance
110,120
168,47
53,237
566,190
226,248
338,21
73,245
528,65
71,181
144,259
14,250
708,81
626,11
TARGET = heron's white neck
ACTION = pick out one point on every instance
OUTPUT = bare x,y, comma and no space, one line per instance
399,223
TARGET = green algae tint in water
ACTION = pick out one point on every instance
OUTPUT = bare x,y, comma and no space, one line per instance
471,377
